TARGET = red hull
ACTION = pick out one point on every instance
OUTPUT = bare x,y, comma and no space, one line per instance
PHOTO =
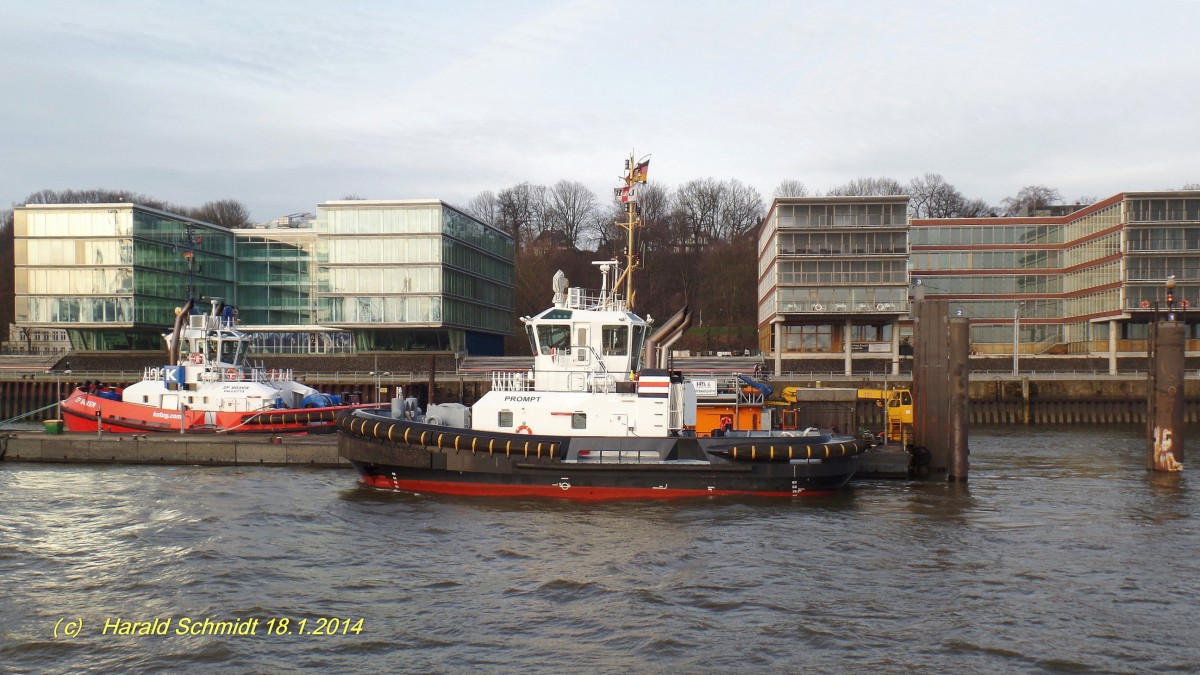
85,412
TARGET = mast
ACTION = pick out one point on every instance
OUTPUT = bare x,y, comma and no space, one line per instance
635,174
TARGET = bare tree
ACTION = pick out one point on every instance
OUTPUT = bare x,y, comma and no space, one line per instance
521,211
867,187
572,209
791,188
1029,199
353,197
930,196
484,206
655,205
1086,200
742,210
699,206
223,212
976,208
1191,186
711,210
102,196
228,213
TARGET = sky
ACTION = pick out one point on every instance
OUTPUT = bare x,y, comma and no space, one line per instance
283,105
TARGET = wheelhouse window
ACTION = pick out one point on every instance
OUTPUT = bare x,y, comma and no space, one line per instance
553,336
616,340
639,334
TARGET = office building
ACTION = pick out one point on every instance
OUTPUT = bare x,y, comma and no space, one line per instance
366,276
833,282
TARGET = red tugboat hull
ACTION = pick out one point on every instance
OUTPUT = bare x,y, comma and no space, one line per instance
83,411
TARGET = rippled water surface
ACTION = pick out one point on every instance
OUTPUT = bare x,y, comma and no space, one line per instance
1061,554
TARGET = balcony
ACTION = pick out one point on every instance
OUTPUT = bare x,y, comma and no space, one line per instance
854,308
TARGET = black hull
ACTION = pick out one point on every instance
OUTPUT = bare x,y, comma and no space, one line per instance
399,455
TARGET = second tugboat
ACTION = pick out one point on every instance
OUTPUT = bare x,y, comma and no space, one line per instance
206,388
598,417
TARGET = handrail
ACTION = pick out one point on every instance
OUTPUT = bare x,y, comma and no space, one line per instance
347,378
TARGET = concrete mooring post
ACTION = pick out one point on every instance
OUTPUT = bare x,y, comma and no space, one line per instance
1164,448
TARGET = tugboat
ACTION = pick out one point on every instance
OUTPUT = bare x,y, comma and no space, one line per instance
206,388
599,417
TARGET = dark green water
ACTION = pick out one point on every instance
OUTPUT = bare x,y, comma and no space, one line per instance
1062,554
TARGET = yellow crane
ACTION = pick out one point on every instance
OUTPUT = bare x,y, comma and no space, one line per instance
897,404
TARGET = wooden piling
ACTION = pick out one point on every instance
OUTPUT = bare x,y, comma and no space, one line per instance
959,389
931,395
1164,447
1025,411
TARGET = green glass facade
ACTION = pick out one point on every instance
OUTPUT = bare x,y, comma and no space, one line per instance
413,275
113,274
396,276
275,282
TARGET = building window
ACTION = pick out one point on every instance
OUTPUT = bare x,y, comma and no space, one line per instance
808,338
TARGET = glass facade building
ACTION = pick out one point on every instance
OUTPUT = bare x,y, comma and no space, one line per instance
369,276
276,284
112,275
413,275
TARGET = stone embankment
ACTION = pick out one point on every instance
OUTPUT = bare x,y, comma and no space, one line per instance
112,448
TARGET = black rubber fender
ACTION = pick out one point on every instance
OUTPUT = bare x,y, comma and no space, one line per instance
920,455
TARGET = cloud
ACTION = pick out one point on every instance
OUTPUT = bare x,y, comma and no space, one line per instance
283,105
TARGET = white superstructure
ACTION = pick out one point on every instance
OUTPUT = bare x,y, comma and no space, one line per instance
587,377
209,373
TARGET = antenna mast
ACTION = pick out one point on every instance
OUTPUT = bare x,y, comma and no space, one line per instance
635,174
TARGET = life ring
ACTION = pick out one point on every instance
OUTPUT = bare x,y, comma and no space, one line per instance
1184,304
1145,304
272,374
196,358
524,430
232,374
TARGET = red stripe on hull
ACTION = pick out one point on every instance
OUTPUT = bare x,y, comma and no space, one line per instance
573,492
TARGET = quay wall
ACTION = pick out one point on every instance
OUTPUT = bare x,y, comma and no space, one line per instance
314,451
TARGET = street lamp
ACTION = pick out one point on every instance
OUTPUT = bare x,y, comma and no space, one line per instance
1017,336
58,387
1170,297
378,386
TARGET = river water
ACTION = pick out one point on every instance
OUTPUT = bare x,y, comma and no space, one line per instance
1061,554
